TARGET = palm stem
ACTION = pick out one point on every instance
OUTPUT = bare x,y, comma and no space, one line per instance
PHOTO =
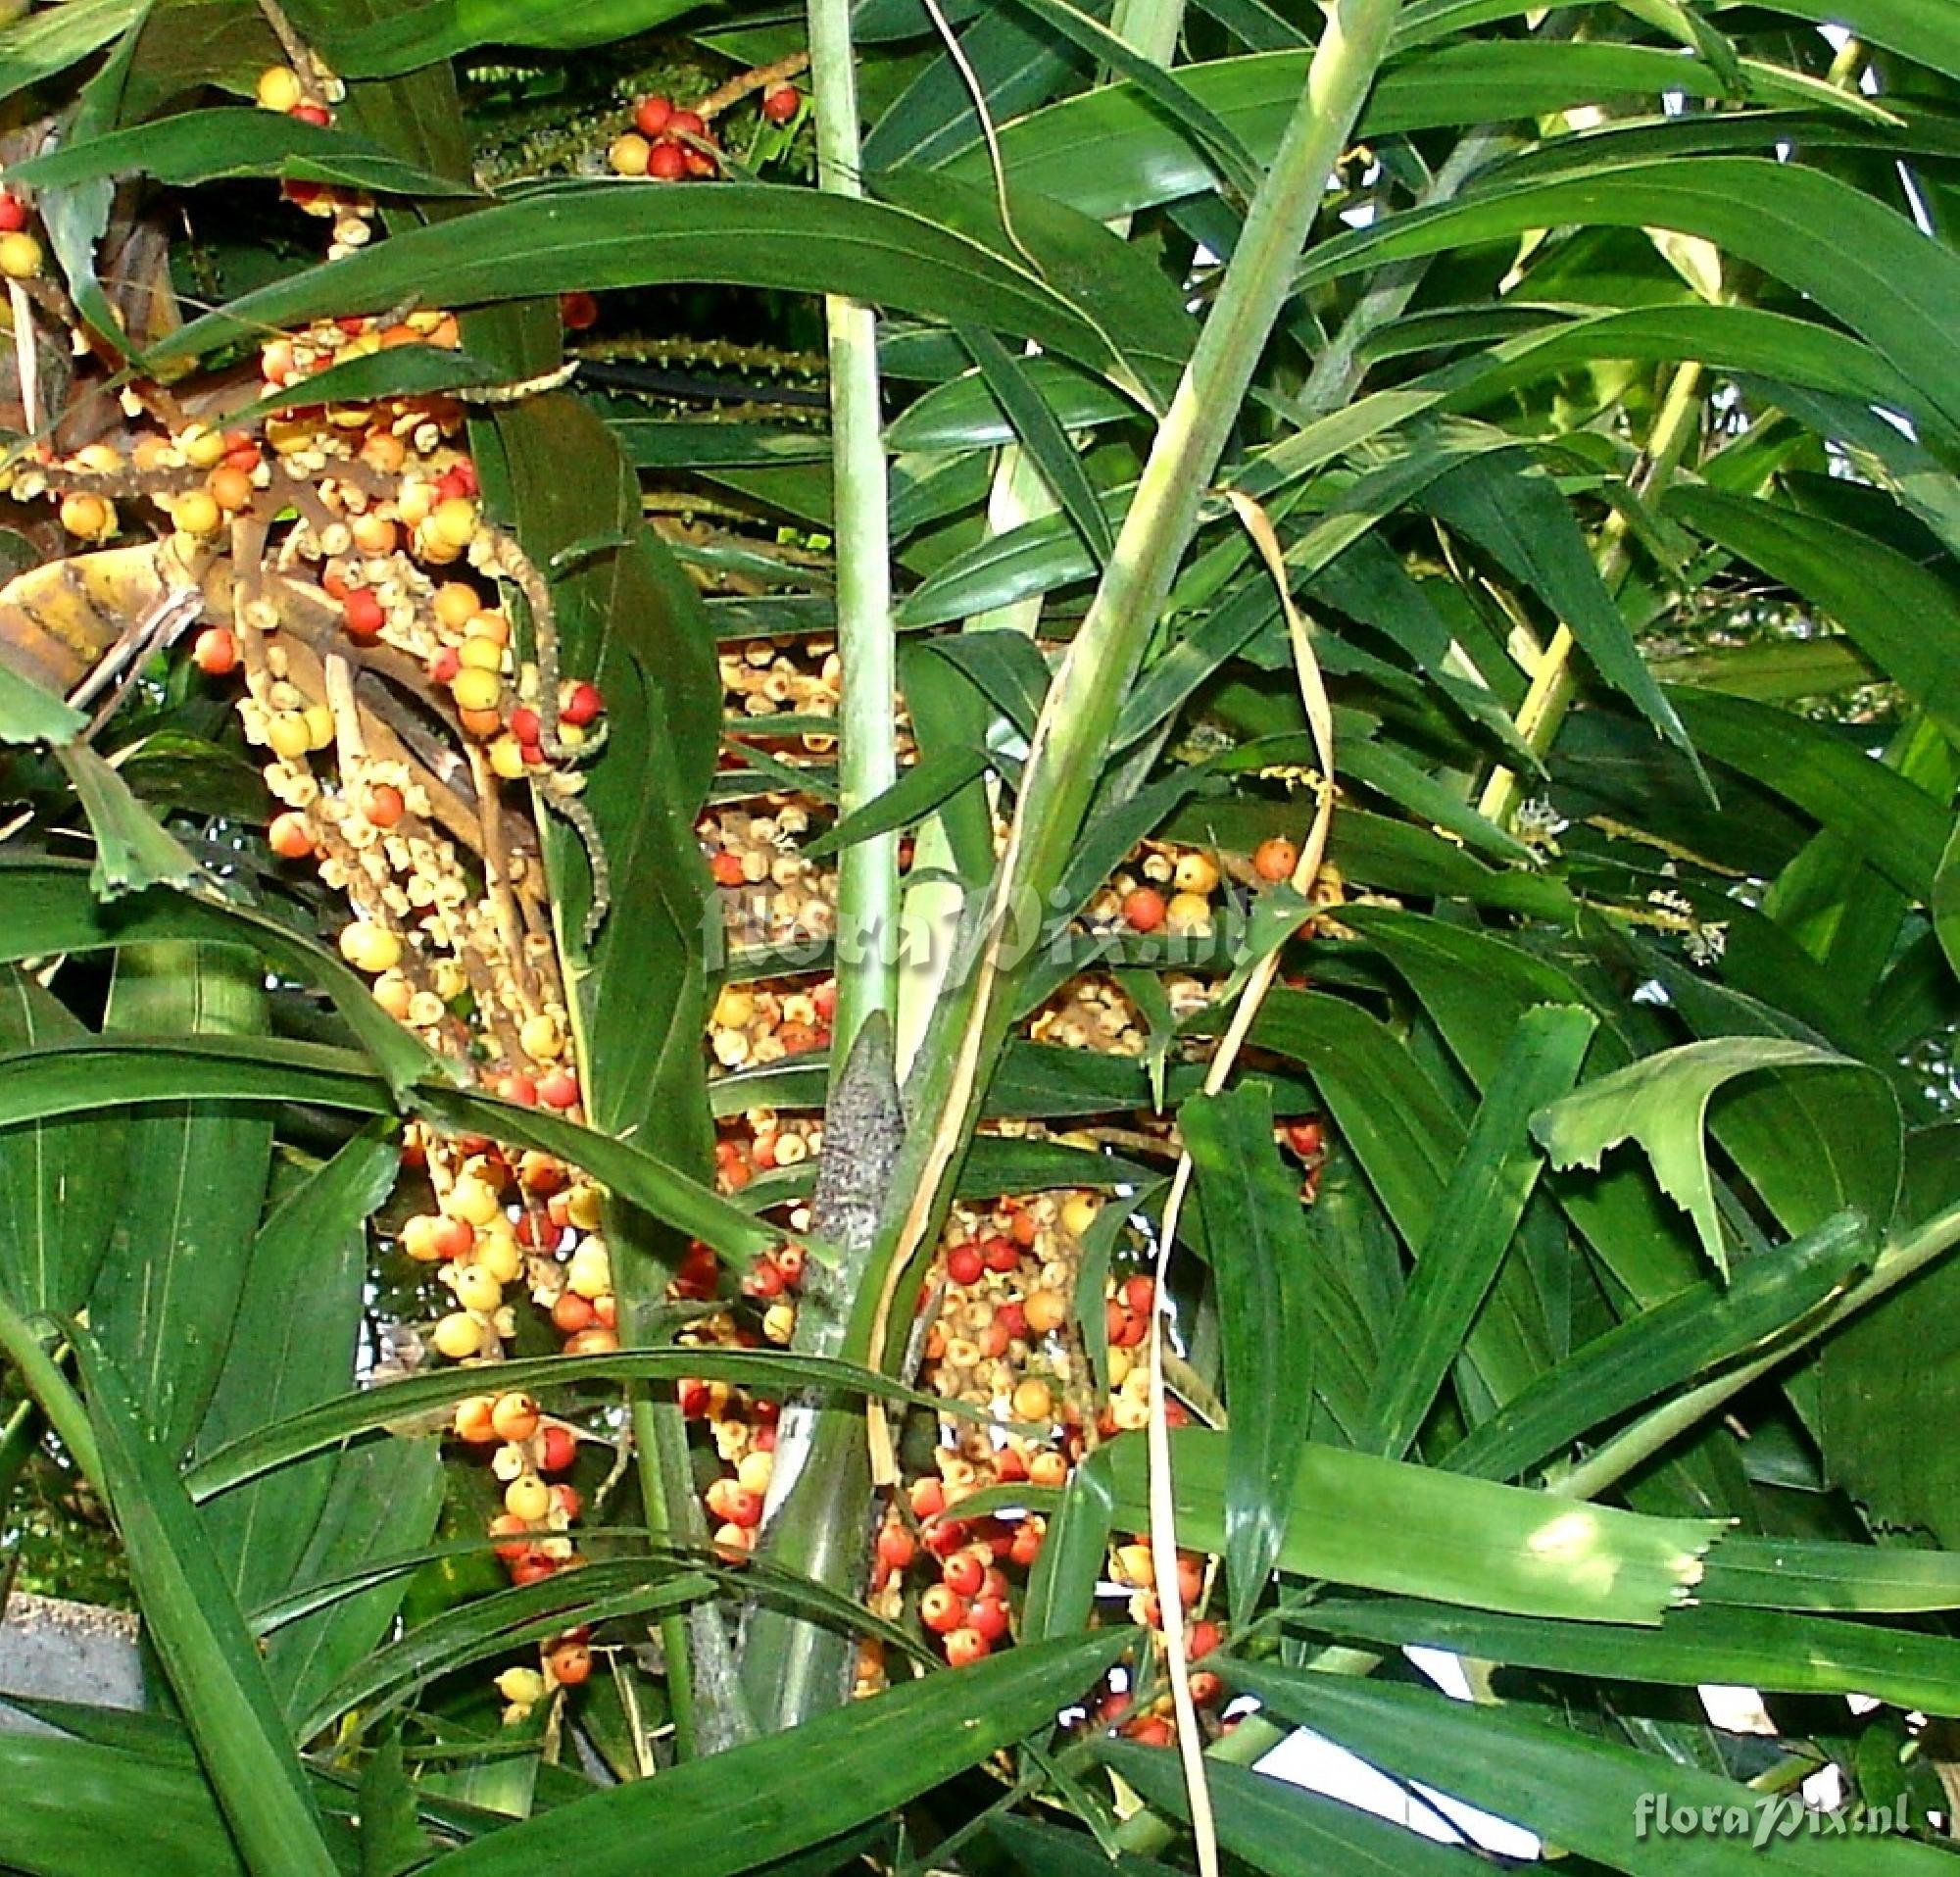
867,893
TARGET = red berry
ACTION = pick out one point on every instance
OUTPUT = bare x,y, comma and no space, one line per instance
941,1609
1142,910
521,1090
686,124
582,705
765,1281
1140,1293
744,1508
558,1089
653,116
666,163
578,311
999,1253
1012,1319
780,103
989,1619
444,666
533,1567
963,1574
965,1646
965,1263
12,215
1199,1640
315,114
726,868
366,615
897,1547
384,805
1304,1137
526,726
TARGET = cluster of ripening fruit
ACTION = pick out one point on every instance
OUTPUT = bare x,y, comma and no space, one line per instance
771,893
532,1533
308,92
1171,890
669,143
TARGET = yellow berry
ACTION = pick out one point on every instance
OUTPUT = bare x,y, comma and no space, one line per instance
480,655
453,521
1034,1401
497,1252
287,736
475,689
478,1290
585,1205
507,758
455,603
1195,873
457,1335
318,720
202,448
528,1497
88,517
755,1471
19,256
1078,1215
1189,913
280,88
628,155
521,1687
475,1200
542,1037
590,1271
196,513
370,948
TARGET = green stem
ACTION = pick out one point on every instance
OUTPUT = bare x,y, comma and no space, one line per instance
1338,372
18,1442
673,1628
40,1375
1901,1258
1554,686
867,885
1072,737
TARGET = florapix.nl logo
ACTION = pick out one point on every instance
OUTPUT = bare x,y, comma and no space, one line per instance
1762,1821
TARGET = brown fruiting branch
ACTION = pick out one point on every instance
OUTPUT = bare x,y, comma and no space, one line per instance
762,78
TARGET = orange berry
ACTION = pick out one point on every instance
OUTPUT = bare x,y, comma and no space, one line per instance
1276,858
216,651
289,838
514,1416
1142,910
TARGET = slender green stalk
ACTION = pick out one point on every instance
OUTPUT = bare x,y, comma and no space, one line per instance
1072,737
40,1375
932,907
17,1441
1554,686
1902,1258
868,884
1336,374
